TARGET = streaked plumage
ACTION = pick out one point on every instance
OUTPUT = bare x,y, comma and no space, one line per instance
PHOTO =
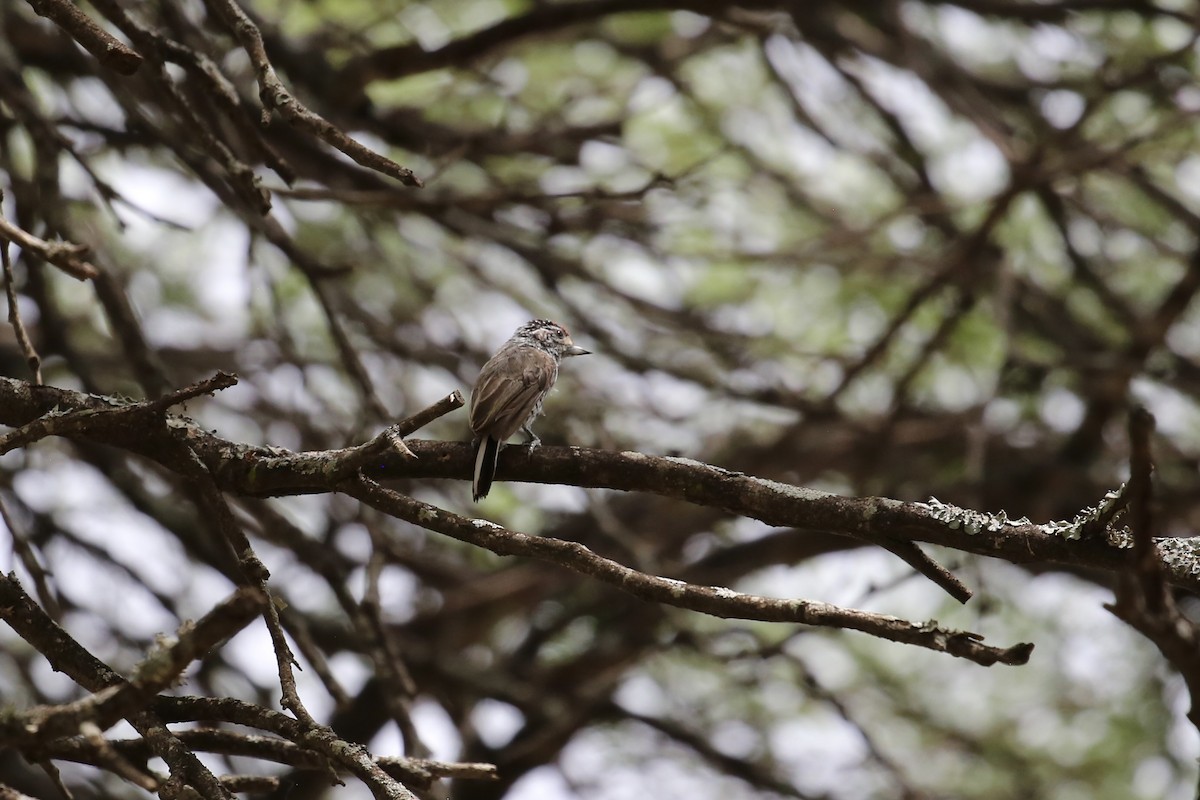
510,389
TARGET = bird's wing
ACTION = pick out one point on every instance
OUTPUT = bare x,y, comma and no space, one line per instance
507,390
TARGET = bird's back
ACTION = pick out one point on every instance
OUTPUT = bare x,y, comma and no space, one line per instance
510,390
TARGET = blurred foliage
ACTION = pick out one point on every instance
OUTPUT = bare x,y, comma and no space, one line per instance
889,248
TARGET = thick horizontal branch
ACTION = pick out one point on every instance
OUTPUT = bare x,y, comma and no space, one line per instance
109,413
262,472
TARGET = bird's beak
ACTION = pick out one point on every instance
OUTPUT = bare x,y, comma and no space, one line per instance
576,350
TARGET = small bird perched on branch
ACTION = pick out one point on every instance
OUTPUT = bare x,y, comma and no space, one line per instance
510,389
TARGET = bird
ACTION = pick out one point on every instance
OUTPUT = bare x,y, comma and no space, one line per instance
509,391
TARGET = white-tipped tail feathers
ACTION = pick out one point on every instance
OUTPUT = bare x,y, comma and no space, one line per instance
485,467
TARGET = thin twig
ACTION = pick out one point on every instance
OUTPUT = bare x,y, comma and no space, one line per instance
1143,598
343,464
1140,494
274,95
714,600
14,316
113,761
33,565
70,258
221,380
389,663
922,562
157,671
410,425
114,413
279,748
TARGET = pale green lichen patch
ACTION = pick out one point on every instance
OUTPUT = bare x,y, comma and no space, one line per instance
1181,556
1074,528
974,522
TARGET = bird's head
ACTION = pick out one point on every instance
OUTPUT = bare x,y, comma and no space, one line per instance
550,336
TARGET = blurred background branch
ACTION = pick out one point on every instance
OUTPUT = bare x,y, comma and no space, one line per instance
893,249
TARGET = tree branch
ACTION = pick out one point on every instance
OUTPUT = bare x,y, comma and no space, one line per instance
66,655
266,472
70,258
110,51
1143,598
275,96
155,673
714,600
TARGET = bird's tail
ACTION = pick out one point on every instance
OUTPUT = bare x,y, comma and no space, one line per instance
485,467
